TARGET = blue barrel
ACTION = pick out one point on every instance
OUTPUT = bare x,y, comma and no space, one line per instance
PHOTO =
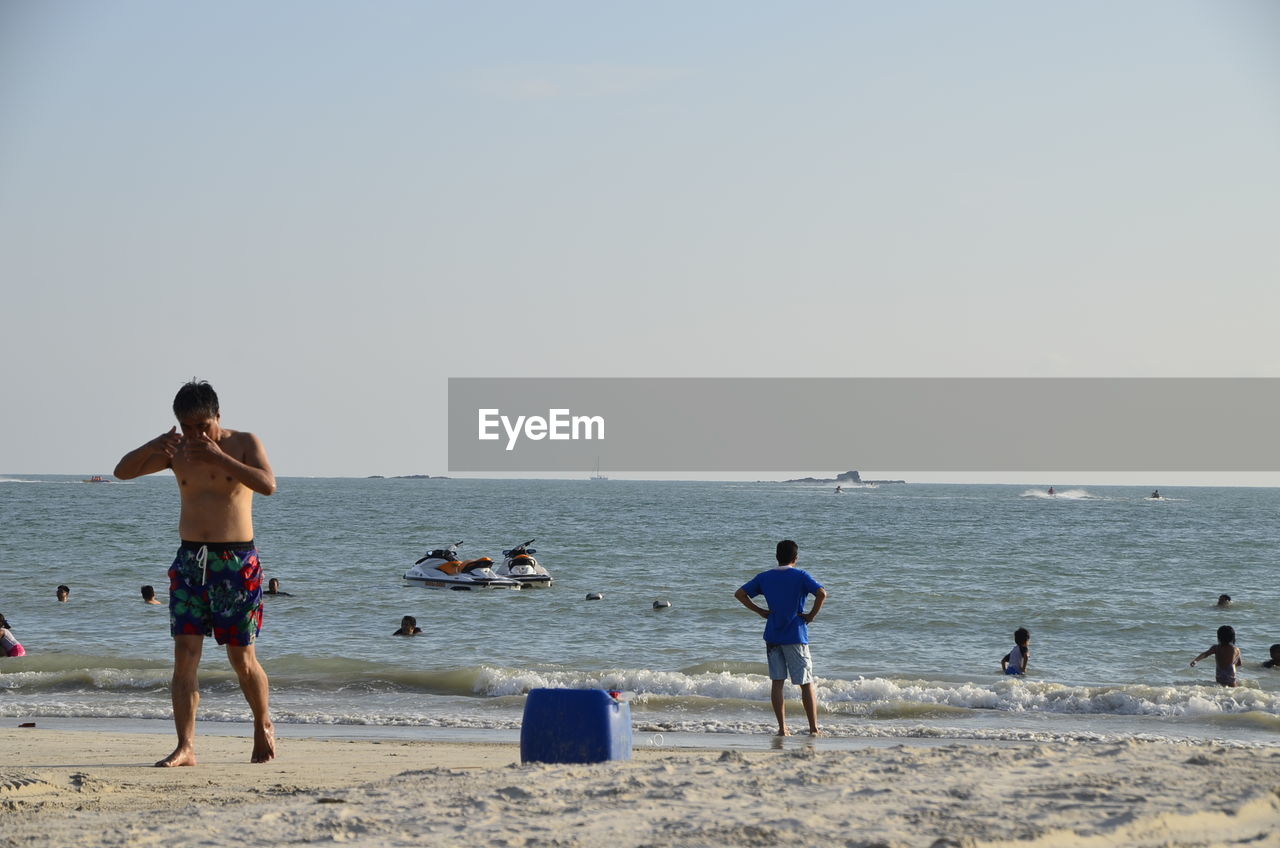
574,726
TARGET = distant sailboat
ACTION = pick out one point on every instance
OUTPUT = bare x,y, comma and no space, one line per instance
598,475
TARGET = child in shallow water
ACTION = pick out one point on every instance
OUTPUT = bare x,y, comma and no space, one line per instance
1226,656
9,644
1015,662
1274,662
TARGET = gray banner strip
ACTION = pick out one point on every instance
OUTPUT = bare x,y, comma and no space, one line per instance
800,424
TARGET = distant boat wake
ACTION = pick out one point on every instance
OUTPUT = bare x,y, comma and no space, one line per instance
1066,495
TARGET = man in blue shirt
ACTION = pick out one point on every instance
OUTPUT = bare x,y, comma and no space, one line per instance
786,629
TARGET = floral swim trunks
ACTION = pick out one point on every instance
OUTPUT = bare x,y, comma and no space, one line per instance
215,589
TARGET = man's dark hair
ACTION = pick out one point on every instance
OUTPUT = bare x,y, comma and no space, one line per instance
1021,636
148,592
787,552
195,398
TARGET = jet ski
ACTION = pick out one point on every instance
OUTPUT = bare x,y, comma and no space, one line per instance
442,569
520,565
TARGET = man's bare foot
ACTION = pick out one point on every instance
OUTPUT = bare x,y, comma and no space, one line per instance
813,731
264,744
782,731
183,755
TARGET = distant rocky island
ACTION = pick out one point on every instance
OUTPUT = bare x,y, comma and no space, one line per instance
406,477
851,478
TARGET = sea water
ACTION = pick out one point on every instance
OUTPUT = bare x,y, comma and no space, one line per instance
927,584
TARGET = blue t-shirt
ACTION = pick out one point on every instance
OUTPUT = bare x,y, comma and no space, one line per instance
785,589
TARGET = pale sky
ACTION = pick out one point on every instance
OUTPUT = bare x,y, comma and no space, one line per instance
327,209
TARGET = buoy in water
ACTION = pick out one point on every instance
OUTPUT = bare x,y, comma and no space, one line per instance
594,596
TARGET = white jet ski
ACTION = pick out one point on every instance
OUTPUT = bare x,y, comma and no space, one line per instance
442,569
520,565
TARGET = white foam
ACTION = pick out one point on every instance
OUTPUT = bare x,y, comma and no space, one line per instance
1065,495
1006,694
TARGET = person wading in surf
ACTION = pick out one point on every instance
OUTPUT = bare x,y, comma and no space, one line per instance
786,629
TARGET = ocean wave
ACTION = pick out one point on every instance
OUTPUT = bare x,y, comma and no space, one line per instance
1044,697
78,672
51,673
701,689
731,667
888,698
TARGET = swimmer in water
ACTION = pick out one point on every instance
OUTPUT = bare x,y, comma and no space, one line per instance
408,627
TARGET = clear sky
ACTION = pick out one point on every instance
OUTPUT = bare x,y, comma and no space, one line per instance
327,209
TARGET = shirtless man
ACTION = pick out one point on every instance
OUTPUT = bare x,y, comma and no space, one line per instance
215,582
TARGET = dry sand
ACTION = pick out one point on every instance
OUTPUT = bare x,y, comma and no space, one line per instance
98,789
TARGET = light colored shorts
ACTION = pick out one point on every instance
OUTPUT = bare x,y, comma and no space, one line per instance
790,661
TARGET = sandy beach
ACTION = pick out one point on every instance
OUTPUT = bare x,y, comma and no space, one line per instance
61,787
